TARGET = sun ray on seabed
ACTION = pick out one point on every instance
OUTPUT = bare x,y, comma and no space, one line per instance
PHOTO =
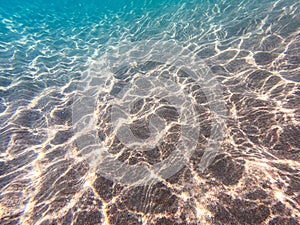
150,112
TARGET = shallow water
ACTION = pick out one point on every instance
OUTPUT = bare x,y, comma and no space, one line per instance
150,112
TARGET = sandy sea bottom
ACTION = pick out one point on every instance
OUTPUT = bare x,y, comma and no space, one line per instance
150,112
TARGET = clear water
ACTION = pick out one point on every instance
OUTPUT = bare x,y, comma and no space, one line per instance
149,112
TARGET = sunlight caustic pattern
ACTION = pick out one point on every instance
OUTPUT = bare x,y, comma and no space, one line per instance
150,112
149,106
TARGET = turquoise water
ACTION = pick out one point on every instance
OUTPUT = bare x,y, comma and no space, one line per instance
149,112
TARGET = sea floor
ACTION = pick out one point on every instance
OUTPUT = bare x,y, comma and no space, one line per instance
150,112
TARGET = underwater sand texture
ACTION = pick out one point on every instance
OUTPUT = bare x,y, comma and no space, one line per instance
252,51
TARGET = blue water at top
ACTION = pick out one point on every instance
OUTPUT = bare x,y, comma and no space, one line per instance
57,36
